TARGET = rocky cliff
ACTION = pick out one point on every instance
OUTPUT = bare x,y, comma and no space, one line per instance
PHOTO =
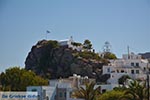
146,55
48,59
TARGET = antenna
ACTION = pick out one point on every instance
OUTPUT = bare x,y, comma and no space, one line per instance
128,52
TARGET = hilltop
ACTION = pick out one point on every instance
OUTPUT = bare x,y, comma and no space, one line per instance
53,59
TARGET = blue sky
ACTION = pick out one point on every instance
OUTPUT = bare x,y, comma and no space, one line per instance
24,22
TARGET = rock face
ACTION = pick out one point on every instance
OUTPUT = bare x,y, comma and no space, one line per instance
146,55
48,59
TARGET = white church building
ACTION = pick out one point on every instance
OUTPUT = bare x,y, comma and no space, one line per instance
69,43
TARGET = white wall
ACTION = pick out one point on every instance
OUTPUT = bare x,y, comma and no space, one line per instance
50,92
108,87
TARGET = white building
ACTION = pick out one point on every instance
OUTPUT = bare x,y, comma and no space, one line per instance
60,89
44,92
131,65
70,44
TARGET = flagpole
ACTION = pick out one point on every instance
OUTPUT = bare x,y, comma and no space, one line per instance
46,36
47,32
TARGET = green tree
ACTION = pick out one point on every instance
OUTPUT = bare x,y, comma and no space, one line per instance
111,95
89,55
76,44
87,45
109,55
17,79
136,91
88,92
122,79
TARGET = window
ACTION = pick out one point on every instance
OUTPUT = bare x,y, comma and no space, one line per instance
70,94
47,98
65,94
112,76
122,71
108,69
137,64
137,71
34,90
44,93
60,94
132,64
104,90
117,71
132,71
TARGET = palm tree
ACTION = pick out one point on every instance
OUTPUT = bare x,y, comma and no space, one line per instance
136,91
88,92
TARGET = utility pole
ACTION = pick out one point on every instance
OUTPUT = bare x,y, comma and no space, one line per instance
147,72
148,85
128,52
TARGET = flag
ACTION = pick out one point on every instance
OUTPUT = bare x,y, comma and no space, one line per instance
48,31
